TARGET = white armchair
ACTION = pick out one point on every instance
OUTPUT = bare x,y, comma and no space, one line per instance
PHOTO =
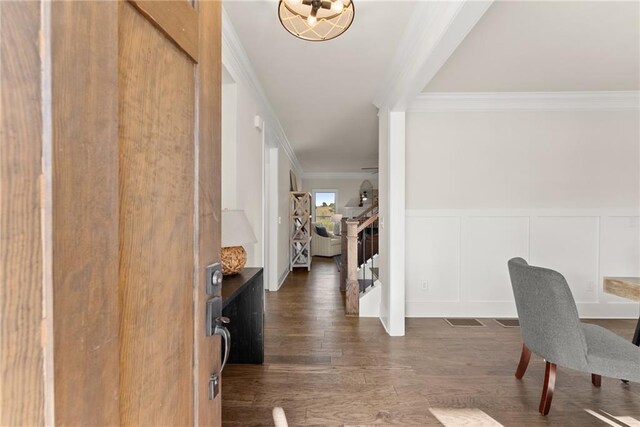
325,246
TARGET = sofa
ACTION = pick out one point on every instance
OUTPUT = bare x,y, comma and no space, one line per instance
325,246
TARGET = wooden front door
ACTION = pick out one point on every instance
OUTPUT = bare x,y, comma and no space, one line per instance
161,329
116,144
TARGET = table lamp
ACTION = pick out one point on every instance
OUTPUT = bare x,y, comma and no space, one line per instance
236,232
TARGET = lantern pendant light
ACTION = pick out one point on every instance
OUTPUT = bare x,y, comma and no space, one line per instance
316,20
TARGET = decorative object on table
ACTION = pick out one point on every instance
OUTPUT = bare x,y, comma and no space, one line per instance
293,181
316,20
551,328
300,223
236,232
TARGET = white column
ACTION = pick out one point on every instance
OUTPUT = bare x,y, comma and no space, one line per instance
392,220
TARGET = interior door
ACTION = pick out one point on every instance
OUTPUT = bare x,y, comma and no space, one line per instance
168,96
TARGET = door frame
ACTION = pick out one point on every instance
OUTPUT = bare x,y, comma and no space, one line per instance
270,226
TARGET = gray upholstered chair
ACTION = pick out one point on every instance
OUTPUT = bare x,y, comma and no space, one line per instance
551,328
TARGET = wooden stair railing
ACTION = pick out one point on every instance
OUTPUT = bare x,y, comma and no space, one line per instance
352,286
370,211
350,256
364,216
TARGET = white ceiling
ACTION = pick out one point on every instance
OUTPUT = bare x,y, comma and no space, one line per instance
535,46
323,91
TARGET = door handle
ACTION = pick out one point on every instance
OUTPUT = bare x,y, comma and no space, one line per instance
226,337
214,380
215,326
214,322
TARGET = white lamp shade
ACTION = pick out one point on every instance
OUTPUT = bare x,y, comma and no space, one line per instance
236,230
336,217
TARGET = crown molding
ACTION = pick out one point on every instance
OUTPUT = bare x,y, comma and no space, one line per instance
337,175
237,63
526,101
433,33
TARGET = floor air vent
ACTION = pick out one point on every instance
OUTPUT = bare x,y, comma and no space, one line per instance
508,323
462,322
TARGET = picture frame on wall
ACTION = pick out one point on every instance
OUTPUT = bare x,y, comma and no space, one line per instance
293,180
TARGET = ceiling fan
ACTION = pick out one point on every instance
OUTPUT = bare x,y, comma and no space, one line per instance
372,169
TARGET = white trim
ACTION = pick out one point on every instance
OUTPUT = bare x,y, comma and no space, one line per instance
272,217
526,101
384,326
337,175
433,33
496,309
283,277
237,63
613,212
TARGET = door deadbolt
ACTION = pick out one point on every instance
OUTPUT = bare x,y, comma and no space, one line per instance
213,279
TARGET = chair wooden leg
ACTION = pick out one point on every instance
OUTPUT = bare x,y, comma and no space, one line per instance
547,388
524,362
596,380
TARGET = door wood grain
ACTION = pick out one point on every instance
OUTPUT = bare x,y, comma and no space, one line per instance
157,112
85,212
21,263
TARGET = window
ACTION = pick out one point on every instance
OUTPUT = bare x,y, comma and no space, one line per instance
324,207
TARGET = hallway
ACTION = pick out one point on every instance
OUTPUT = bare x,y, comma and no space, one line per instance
326,369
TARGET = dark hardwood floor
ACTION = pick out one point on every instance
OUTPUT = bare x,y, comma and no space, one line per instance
326,369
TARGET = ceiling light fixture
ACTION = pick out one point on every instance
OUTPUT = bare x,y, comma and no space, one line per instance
316,20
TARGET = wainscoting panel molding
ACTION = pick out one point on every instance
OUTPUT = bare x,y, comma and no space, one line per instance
433,259
619,250
569,245
487,242
456,260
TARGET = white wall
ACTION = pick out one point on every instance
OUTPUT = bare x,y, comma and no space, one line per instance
229,149
561,189
242,160
243,175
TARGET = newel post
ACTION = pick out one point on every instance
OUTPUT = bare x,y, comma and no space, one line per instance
353,287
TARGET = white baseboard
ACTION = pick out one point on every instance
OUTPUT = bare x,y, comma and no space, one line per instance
384,325
283,277
281,280
508,309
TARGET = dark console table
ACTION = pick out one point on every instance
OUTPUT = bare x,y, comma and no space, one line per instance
243,304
